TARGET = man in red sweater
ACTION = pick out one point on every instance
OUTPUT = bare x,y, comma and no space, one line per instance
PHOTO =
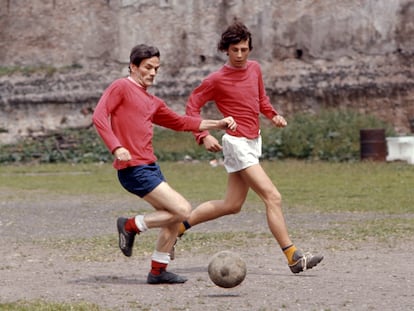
124,118
238,91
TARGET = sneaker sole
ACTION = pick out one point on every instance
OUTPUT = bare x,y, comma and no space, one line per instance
121,237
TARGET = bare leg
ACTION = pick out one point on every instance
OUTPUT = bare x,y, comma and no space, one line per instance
232,203
171,209
237,187
167,238
258,180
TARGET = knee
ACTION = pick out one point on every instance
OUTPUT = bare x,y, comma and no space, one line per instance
234,208
278,198
237,209
184,212
274,198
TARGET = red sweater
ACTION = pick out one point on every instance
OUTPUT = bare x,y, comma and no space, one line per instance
124,116
237,92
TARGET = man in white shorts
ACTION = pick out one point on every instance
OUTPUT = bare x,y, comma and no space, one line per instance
240,152
238,90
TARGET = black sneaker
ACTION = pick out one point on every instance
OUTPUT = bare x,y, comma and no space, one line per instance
165,278
304,261
126,239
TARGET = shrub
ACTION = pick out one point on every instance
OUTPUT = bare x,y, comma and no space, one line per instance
331,135
69,145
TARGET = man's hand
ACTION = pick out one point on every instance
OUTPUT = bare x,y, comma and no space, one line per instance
223,124
279,121
211,144
228,123
122,154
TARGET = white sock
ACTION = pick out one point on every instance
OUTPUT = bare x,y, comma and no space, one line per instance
139,221
161,257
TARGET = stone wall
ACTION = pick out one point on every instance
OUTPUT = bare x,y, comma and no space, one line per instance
314,54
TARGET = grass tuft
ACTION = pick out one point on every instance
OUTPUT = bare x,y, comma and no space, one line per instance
40,305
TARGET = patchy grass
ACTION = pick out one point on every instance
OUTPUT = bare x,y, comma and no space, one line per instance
380,230
311,186
40,305
368,188
305,186
354,187
61,178
351,232
381,193
104,248
373,188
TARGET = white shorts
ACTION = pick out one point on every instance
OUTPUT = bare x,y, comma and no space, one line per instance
240,152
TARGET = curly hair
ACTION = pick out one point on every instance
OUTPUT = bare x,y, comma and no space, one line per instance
235,33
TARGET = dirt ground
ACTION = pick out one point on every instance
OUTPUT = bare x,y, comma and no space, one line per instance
366,276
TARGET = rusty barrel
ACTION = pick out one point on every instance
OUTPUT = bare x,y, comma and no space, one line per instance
373,144
411,121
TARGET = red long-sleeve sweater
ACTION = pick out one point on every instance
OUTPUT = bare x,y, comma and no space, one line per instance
124,117
237,92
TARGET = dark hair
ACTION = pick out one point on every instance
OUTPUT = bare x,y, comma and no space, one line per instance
141,52
235,33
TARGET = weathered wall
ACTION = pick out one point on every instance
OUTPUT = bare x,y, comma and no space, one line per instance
351,53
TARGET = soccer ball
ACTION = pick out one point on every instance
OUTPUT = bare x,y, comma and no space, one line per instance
227,269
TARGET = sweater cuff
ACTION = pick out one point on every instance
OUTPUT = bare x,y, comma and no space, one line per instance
201,136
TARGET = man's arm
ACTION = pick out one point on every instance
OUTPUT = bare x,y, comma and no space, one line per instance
200,95
223,124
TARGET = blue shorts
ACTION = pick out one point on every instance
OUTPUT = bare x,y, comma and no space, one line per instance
142,179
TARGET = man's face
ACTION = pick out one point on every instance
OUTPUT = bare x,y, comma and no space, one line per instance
146,72
238,53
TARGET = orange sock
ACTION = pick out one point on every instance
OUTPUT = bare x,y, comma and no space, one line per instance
183,227
131,226
157,267
289,251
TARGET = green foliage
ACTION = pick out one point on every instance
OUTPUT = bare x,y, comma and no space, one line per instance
172,146
83,145
70,145
331,135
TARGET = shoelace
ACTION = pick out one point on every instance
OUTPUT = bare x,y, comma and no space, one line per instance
304,260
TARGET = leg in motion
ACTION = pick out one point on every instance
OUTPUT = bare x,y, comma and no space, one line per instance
235,196
259,181
171,208
160,260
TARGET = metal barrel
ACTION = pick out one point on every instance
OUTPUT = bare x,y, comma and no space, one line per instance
373,144
411,122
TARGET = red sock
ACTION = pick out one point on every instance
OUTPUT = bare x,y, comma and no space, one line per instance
158,267
131,226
